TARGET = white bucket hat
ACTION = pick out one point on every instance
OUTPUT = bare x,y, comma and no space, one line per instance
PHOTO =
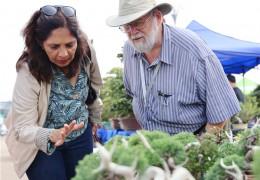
130,10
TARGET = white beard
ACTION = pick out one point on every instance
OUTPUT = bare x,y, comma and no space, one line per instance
149,40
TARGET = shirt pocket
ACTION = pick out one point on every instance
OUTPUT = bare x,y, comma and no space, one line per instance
191,110
166,106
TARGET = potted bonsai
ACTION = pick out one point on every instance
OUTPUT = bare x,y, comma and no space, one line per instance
108,93
151,154
249,111
117,106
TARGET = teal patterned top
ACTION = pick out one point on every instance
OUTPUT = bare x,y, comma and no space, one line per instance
67,103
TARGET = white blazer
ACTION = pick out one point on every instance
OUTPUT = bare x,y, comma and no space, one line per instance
29,111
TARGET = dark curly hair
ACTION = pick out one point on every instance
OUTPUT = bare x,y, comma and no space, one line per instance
37,30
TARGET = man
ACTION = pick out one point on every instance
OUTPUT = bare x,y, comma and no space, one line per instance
240,97
238,92
176,81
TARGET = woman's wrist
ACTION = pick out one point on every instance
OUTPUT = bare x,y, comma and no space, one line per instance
52,136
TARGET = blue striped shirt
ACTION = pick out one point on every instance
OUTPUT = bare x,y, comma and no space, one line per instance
191,77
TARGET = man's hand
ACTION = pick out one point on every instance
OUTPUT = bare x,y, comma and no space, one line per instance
58,135
212,128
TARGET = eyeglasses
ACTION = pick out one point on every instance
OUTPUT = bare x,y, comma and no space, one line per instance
138,25
52,10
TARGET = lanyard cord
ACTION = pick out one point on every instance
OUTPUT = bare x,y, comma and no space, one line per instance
147,91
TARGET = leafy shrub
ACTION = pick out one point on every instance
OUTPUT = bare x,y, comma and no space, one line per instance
185,138
149,135
114,96
256,165
250,109
166,148
256,94
241,146
126,156
216,172
84,170
227,149
203,157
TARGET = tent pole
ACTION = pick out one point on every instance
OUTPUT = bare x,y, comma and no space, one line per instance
244,81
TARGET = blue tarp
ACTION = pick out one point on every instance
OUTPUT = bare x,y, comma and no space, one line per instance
236,56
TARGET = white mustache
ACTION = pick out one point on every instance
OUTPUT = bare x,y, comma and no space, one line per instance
133,37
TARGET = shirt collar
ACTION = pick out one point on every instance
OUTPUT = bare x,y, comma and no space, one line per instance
165,56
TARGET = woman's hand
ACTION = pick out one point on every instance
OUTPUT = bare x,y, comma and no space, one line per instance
58,135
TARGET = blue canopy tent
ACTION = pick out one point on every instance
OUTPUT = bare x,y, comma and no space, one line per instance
236,56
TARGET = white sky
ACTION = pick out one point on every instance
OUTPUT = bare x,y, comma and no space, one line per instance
236,18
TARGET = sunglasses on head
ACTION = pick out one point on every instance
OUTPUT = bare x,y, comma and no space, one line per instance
52,10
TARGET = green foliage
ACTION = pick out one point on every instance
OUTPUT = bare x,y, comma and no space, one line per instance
241,147
217,137
216,172
250,109
164,145
120,56
227,149
110,142
194,163
203,158
122,107
256,94
256,165
126,156
84,170
114,96
209,150
166,148
149,135
185,138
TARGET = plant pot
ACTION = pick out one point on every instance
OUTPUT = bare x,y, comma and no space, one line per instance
129,124
239,126
115,123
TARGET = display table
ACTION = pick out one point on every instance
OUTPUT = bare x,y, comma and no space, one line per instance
106,134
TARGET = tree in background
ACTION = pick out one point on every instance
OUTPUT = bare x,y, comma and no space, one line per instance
256,93
114,96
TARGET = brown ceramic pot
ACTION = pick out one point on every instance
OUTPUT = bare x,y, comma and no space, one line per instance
115,123
129,124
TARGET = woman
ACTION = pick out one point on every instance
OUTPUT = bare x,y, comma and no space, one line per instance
53,105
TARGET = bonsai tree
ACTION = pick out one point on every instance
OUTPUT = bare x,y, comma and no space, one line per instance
256,165
250,109
138,155
149,153
220,168
113,94
256,94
